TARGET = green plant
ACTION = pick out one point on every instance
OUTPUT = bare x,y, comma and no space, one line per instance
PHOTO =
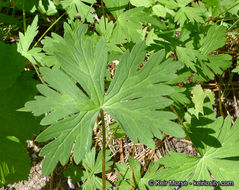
161,45
217,142
126,100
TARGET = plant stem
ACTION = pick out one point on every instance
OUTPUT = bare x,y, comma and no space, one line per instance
48,29
51,180
132,179
13,11
233,25
103,11
210,19
103,149
220,98
228,9
24,18
36,69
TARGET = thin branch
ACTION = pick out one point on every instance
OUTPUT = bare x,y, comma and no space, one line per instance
48,29
132,179
24,18
220,98
38,74
235,100
103,11
211,19
103,149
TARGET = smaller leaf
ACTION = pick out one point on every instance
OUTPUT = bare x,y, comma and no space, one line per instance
236,70
215,38
116,130
193,14
125,173
92,166
159,10
171,4
116,7
23,47
74,8
198,98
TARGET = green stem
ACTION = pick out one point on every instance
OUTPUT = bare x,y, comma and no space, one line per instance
103,11
48,29
13,11
220,97
24,18
233,25
226,90
103,149
228,9
36,69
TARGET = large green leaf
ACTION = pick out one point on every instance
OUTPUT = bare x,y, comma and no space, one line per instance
10,69
75,94
16,127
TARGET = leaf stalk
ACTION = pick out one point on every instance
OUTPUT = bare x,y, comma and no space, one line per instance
103,150
103,11
48,29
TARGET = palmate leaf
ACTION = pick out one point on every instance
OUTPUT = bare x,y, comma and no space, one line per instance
217,160
76,94
74,7
200,61
193,14
216,141
184,13
47,7
129,26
